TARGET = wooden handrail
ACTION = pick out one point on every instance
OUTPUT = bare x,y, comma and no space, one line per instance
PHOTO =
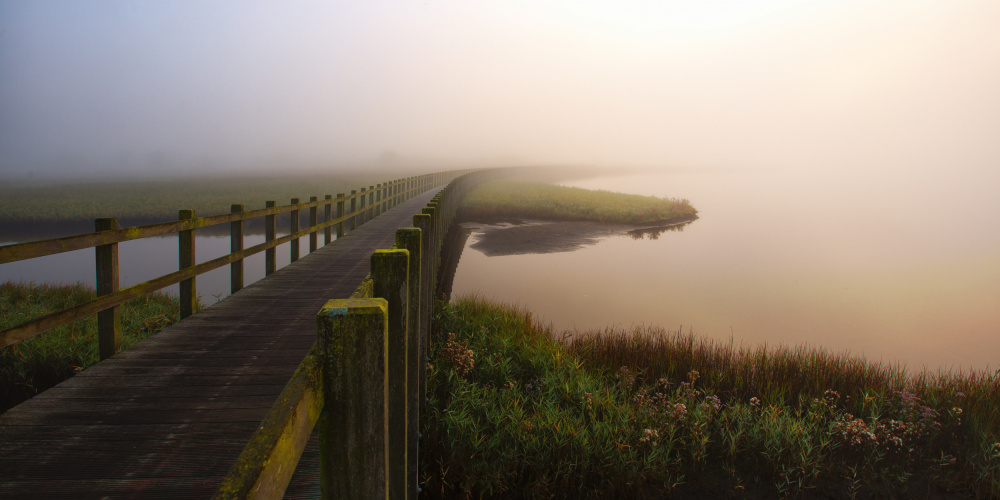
112,236
43,248
266,465
354,439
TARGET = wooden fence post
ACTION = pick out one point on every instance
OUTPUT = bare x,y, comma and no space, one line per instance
377,199
327,212
353,337
389,270
294,228
408,238
236,245
423,222
354,218
313,216
363,216
109,321
189,289
434,255
340,214
270,255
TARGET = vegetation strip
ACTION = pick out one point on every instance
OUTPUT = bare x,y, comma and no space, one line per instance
33,365
505,199
512,413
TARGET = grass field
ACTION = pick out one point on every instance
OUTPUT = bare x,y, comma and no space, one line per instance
35,364
161,199
512,413
505,199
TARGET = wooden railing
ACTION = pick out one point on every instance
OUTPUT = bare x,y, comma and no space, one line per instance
363,381
351,209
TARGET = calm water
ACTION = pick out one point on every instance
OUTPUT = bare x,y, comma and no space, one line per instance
148,258
903,270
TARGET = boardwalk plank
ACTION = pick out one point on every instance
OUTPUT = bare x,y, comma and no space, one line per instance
168,417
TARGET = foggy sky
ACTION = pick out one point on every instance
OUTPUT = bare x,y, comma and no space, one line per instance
155,87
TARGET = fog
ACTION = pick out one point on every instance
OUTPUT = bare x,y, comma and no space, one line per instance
176,87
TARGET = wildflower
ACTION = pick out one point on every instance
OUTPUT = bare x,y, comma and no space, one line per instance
650,436
626,379
754,403
458,355
712,403
854,432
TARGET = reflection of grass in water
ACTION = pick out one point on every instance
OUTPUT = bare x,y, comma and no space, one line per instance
514,414
499,199
35,364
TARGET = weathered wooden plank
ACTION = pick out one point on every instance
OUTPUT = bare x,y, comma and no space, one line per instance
267,463
178,408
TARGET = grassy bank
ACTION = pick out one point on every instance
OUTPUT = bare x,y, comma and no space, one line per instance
504,199
35,364
161,199
514,414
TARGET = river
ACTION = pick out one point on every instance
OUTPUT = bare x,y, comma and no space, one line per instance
900,270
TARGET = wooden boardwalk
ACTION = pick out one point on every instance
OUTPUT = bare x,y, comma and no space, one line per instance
168,417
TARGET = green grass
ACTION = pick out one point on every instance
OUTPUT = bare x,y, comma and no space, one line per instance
512,413
35,364
504,199
161,199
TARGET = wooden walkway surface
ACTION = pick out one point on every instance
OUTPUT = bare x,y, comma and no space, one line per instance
168,417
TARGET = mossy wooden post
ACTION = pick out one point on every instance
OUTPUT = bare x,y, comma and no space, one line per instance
353,337
364,213
109,321
313,216
423,222
389,270
327,213
435,254
236,245
270,256
340,215
189,288
294,228
354,207
408,238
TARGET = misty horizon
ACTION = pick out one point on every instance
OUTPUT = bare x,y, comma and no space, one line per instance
106,88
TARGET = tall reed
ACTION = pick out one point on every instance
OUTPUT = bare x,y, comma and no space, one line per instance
513,413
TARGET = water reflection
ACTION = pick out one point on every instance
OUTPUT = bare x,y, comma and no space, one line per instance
654,232
144,259
775,258
522,237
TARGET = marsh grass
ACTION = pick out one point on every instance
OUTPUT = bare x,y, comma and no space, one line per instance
505,199
35,364
161,198
513,413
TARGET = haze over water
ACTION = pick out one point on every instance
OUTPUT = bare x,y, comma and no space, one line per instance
782,258
860,134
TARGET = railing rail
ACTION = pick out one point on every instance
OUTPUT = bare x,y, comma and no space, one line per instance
107,237
363,382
